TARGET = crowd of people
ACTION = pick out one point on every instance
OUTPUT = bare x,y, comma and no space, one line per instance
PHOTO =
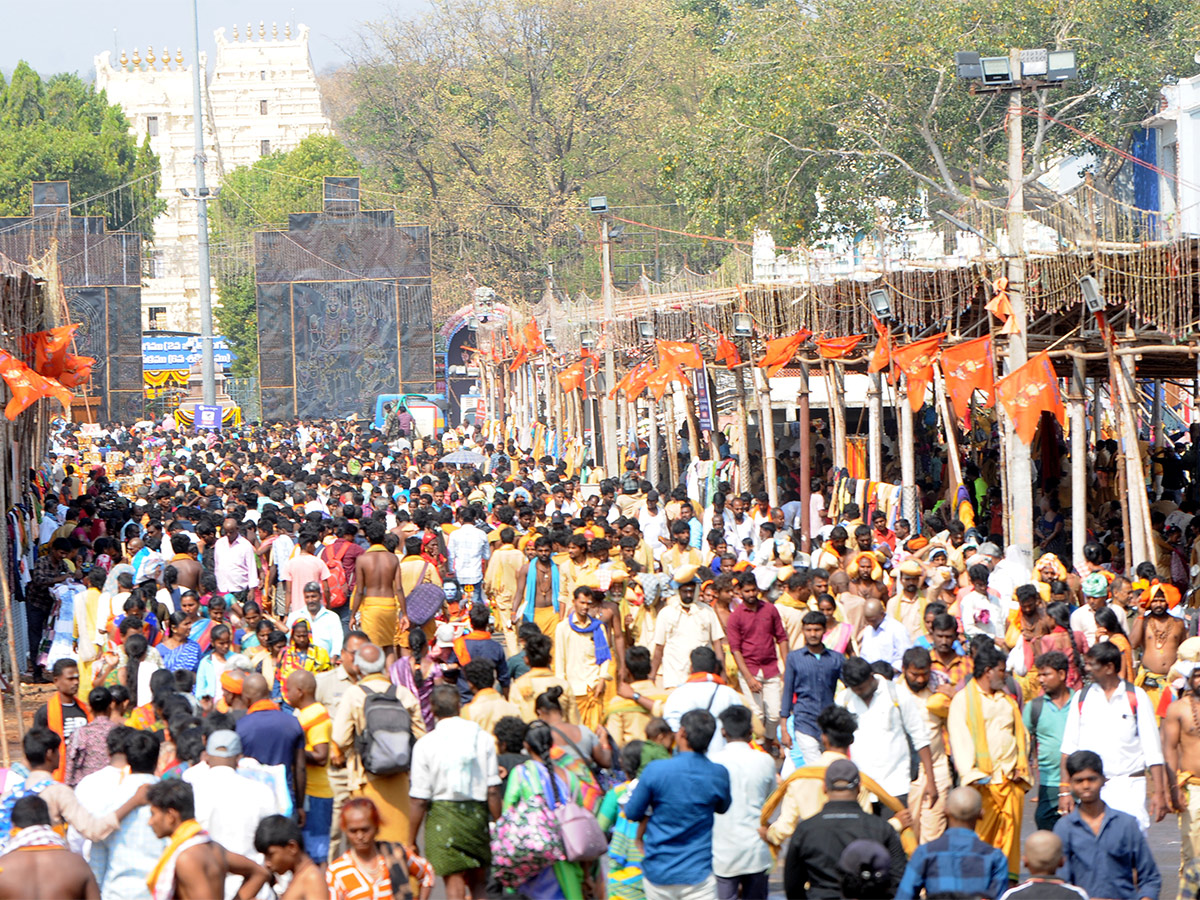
312,661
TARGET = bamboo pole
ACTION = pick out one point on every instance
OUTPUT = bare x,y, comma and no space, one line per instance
805,462
741,427
1076,402
951,431
689,408
836,393
671,427
654,463
875,427
766,429
908,463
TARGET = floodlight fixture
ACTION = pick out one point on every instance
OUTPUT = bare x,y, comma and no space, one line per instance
1093,299
996,70
587,338
881,303
743,324
1034,63
966,64
598,204
1061,65
645,330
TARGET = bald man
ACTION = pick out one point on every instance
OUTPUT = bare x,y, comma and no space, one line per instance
882,637
300,692
39,857
1043,856
938,867
272,736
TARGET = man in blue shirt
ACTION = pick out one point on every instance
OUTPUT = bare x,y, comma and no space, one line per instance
958,863
272,736
685,792
810,677
1103,848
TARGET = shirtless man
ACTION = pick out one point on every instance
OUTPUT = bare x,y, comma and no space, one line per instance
545,573
1181,751
38,864
194,866
1158,635
376,607
609,613
187,566
850,603
281,843
1030,620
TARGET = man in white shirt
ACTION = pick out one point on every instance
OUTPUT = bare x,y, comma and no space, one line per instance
468,549
234,562
1116,720
324,624
741,858
455,782
682,626
1095,587
887,720
980,611
703,690
229,805
652,521
882,637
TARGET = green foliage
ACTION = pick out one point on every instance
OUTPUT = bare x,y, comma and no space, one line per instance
61,129
816,110
254,197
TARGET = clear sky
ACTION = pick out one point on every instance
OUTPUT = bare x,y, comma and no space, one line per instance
65,35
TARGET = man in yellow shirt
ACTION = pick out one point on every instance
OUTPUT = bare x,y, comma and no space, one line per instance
680,553
988,742
487,706
500,585
581,656
639,700
539,679
300,692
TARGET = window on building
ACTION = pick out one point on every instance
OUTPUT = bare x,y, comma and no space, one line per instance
152,126
264,148
158,318
262,107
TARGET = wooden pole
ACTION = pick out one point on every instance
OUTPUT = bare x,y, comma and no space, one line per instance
7,596
671,428
835,391
908,462
875,427
684,394
951,431
805,461
1136,474
653,464
740,426
1076,402
766,429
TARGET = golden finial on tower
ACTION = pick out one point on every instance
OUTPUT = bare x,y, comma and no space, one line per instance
124,60
137,59
249,32
235,32
179,56
287,30
274,31
150,56
262,30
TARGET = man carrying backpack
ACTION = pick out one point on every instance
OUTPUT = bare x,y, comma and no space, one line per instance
341,556
375,726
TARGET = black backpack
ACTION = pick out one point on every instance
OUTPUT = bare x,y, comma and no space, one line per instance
385,746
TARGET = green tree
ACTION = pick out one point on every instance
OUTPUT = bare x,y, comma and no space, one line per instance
497,118
817,110
61,129
256,197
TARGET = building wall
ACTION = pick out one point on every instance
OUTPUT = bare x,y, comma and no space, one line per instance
1177,125
251,69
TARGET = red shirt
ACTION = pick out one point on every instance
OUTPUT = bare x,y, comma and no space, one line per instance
755,634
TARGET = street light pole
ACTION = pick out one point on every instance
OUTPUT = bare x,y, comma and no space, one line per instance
207,365
608,410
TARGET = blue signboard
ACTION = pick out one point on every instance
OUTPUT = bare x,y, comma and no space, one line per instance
179,350
208,417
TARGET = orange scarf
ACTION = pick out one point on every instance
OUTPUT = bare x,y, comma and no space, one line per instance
260,705
706,676
187,830
460,645
54,721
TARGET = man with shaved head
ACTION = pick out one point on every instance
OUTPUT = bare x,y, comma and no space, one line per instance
882,637
1043,857
272,736
300,692
957,864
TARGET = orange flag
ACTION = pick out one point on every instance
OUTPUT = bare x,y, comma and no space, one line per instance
881,357
533,337
1029,391
779,351
27,386
638,379
916,362
572,377
968,368
837,348
727,352
1000,306
50,348
521,358
663,376
681,353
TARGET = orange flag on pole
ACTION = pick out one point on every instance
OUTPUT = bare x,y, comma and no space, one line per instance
727,352
1029,391
638,379
1000,306
837,348
779,351
881,357
662,377
27,386
572,377
681,353
520,360
968,368
533,337
916,362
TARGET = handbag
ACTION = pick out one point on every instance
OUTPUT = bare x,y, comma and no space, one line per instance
525,840
582,837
